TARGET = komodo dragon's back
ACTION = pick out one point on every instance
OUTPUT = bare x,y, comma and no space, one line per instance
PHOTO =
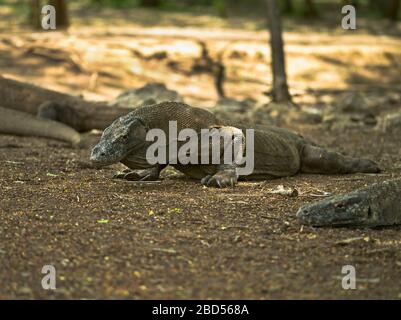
159,115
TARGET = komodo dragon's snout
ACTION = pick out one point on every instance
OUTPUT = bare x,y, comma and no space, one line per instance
347,210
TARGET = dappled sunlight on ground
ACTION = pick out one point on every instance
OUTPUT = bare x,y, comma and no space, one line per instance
99,64
108,50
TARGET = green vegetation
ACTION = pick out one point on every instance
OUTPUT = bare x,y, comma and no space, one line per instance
296,8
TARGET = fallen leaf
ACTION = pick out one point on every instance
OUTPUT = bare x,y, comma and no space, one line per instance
51,174
166,250
290,192
174,210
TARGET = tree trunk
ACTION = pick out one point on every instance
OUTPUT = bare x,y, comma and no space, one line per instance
280,91
288,6
79,114
393,9
310,9
220,74
354,3
150,3
372,5
35,14
62,18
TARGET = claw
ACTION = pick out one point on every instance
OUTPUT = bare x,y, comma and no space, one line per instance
137,175
131,176
145,178
118,175
220,180
206,179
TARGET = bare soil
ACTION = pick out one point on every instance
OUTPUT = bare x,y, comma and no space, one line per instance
177,239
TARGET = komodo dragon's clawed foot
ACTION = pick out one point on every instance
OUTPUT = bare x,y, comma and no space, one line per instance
137,175
221,179
367,166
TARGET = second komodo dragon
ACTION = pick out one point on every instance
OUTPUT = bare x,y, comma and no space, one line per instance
277,152
25,124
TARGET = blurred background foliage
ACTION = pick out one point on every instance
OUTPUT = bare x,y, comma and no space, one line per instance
296,9
384,8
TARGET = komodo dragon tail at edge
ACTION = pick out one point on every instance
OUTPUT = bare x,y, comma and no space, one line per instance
24,124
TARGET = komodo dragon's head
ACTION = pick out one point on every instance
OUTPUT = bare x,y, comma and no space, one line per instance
121,138
353,209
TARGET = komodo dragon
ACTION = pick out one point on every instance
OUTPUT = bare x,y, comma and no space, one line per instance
376,205
21,123
277,152
73,111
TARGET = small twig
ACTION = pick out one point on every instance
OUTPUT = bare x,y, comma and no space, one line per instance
13,162
172,251
136,182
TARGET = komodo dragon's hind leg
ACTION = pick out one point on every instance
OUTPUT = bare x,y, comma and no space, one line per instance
318,160
149,174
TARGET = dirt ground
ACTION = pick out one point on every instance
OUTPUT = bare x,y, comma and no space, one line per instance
175,239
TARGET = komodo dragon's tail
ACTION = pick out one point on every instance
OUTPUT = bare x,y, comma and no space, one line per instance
24,124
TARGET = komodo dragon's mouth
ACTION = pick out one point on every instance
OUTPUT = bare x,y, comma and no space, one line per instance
102,156
336,211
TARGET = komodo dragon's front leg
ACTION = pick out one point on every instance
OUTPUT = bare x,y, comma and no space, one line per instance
149,174
227,175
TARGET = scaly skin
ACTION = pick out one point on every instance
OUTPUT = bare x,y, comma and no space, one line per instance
24,124
277,152
75,112
374,206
